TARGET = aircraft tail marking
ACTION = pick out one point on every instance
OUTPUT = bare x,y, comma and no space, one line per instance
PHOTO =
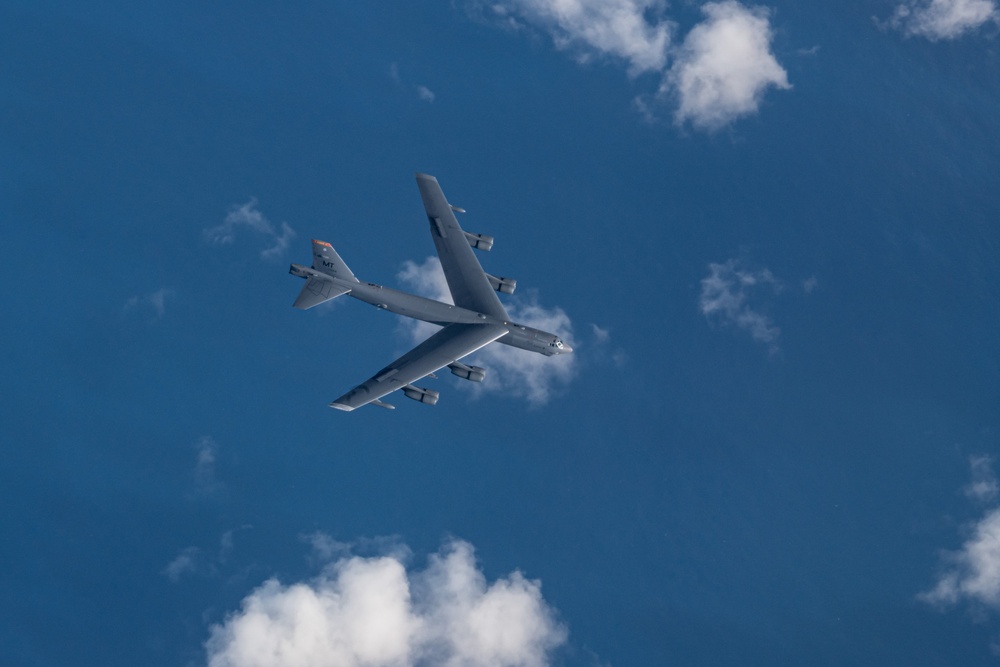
326,259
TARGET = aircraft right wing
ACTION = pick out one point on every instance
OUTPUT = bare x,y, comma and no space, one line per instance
470,288
447,345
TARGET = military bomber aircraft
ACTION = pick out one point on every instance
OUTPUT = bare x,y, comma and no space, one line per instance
475,320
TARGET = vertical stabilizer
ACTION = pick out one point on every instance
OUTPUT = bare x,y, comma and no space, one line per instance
326,259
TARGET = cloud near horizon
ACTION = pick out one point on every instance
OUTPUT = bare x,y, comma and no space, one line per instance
247,216
373,612
943,19
973,573
718,74
509,370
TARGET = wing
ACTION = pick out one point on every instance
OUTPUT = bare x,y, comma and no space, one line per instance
466,279
451,343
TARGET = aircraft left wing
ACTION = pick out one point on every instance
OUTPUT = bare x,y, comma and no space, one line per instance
469,286
450,344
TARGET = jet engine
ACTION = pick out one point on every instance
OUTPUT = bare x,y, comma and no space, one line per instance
505,285
428,396
473,373
479,241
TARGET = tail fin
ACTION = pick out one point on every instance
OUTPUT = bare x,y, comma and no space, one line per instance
326,259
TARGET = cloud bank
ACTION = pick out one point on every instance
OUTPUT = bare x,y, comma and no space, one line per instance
725,296
718,74
372,612
248,217
510,371
943,19
973,573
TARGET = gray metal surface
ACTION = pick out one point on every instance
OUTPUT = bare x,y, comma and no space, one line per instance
451,343
476,319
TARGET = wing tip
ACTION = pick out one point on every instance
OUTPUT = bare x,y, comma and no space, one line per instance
341,406
426,177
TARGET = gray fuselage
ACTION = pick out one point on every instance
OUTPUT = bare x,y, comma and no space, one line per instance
443,314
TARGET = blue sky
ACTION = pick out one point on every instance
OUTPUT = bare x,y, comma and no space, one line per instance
770,232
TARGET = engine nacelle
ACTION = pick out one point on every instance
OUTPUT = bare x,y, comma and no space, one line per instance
472,373
428,396
301,271
505,285
479,241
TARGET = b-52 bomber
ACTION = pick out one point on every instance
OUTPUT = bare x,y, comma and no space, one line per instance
475,320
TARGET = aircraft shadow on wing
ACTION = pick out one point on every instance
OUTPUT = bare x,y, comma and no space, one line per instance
476,319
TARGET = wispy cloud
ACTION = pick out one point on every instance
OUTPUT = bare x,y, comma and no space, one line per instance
983,488
973,573
719,72
374,611
510,371
601,338
724,66
154,302
195,561
247,216
205,481
188,561
423,92
943,19
726,294
634,30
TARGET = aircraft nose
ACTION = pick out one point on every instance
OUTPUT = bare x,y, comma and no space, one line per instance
566,348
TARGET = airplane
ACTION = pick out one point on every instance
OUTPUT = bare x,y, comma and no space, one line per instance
475,320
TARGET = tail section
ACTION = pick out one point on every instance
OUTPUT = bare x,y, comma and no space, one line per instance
318,288
320,284
326,259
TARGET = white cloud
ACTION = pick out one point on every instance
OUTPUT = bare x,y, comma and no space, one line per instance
202,562
373,612
601,350
973,574
188,561
207,451
943,19
633,30
510,371
983,488
601,334
718,74
155,301
425,93
247,216
725,294
724,66
515,372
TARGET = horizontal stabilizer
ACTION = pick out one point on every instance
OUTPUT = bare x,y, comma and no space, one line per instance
316,291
